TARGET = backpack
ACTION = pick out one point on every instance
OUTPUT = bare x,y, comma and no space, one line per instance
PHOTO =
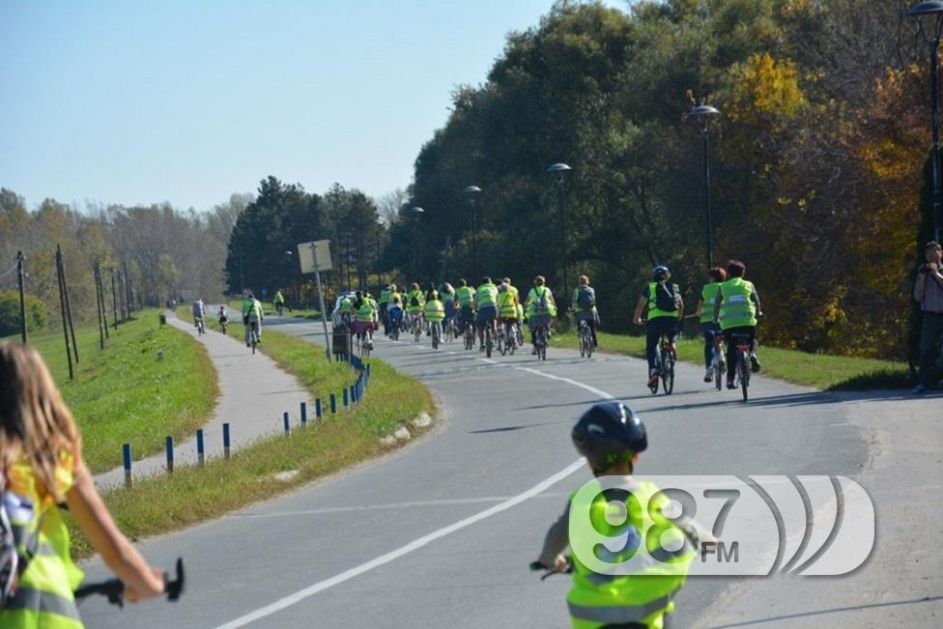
414,301
666,297
586,298
12,564
541,306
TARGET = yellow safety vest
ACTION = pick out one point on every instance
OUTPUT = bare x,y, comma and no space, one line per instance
435,311
708,295
506,305
737,309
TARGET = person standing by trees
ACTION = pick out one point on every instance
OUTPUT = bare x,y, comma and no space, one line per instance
928,290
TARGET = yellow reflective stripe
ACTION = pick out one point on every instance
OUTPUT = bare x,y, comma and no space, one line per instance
27,598
621,614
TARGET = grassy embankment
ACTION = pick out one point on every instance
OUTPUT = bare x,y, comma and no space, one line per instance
138,390
820,371
278,464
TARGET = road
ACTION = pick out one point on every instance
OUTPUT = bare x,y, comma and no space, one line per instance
439,534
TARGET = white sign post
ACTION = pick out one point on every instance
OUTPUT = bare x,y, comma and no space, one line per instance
314,258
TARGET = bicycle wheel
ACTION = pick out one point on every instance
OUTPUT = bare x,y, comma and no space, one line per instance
582,342
488,342
435,336
718,374
653,384
744,374
668,373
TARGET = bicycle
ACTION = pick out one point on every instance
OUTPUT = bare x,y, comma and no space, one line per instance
279,308
718,362
436,330
540,341
449,331
113,589
365,343
586,339
416,322
743,344
469,334
224,326
665,359
510,337
489,337
395,325
253,334
200,326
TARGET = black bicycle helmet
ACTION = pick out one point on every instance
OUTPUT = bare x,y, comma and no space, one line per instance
608,432
660,273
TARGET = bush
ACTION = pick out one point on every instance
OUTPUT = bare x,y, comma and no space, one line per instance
36,315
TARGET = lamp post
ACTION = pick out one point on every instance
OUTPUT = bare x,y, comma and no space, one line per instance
702,114
559,170
417,212
931,13
471,193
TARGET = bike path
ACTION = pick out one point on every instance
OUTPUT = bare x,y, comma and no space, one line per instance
253,394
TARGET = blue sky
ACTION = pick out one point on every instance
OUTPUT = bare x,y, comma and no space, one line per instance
190,101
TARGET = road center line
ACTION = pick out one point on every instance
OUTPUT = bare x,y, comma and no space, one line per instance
320,586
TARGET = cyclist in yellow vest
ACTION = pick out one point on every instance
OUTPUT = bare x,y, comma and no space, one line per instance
252,315
384,303
659,297
42,467
736,307
415,302
584,305
705,311
434,312
279,301
611,436
365,318
507,312
486,300
447,295
540,309
465,297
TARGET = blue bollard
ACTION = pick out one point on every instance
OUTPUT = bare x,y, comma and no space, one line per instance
126,458
287,422
200,450
317,409
346,398
226,440
333,404
170,454
304,413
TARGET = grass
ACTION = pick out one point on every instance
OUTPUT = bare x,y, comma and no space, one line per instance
820,371
138,390
191,494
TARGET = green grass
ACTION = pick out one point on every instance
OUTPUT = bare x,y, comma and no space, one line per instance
820,371
138,390
191,494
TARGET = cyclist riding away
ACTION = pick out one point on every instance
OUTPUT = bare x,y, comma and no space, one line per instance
395,313
507,312
665,309
708,328
584,305
541,309
365,318
415,302
434,311
465,296
252,315
611,436
279,302
486,299
447,295
199,311
222,316
736,307
347,310
384,304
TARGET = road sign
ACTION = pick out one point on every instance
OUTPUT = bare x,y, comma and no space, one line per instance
315,256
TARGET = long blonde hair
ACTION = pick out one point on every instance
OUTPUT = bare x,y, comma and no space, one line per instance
34,421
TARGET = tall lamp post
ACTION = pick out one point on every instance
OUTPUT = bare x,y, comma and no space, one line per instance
702,114
417,212
471,193
558,170
931,14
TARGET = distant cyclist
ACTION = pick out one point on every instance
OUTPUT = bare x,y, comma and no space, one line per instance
364,318
665,309
279,302
541,308
415,302
395,313
347,310
465,298
705,311
223,317
486,299
199,312
584,305
736,307
252,317
447,295
384,303
507,312
434,312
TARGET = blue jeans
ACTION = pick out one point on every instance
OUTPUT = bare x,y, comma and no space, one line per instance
653,331
709,329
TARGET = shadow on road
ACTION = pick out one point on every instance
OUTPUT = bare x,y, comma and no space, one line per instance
835,610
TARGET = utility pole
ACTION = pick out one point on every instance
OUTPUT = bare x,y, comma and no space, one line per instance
19,272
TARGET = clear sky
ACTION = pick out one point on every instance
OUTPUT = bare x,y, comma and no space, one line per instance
189,101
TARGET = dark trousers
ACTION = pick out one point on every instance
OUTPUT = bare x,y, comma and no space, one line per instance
709,329
931,328
653,331
747,331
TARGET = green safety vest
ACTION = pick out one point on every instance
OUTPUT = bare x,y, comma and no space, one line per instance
365,312
384,296
708,295
279,298
506,305
653,311
435,310
447,297
252,308
487,295
643,596
346,305
737,309
410,308
465,296
534,296
44,591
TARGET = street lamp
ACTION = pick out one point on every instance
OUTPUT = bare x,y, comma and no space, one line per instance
471,192
417,212
559,170
702,114
931,13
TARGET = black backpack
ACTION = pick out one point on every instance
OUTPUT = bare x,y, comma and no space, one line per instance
666,297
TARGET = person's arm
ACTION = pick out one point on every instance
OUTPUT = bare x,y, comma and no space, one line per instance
756,300
680,302
717,299
699,307
637,317
86,505
556,540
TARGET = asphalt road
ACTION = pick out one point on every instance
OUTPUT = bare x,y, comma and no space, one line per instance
439,534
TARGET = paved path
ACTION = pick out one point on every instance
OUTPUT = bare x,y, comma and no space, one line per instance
254,392
440,534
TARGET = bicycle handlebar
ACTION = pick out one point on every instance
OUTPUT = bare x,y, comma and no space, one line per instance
549,571
113,589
